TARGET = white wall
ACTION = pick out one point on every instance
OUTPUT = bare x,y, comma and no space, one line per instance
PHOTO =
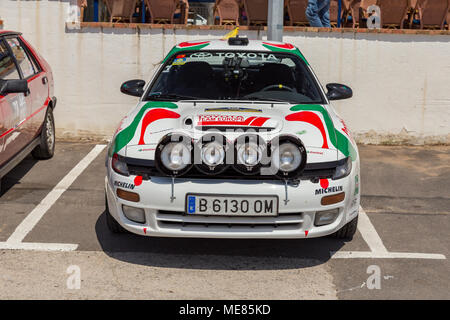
401,82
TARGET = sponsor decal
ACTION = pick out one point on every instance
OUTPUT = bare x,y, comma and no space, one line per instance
284,47
201,55
345,129
186,46
152,116
179,62
329,190
356,185
339,140
324,183
124,137
301,132
315,152
313,119
192,44
125,185
138,181
219,119
146,149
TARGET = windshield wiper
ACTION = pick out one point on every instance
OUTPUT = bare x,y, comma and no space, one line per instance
171,97
265,99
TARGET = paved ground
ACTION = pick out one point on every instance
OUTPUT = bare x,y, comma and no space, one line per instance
405,197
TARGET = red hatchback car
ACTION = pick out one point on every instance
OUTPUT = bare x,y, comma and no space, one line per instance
26,103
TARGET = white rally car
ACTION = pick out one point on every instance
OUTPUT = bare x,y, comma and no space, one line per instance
233,139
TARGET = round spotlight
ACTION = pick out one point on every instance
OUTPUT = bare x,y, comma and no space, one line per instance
210,153
288,156
173,154
213,153
249,152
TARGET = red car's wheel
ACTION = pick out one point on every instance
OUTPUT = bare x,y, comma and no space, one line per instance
46,148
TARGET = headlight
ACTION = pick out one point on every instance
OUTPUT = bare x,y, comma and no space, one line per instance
213,154
288,156
343,170
249,152
119,166
173,154
210,152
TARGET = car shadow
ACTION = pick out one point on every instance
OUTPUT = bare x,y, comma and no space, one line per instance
215,254
14,177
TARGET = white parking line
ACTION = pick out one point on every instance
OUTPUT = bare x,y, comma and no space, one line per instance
369,233
378,250
15,240
38,246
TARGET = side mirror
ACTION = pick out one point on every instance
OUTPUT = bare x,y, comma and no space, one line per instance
133,87
13,86
337,91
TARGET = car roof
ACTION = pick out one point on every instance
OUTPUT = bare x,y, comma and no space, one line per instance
7,33
222,44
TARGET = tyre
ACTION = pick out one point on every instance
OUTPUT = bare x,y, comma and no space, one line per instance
112,224
46,148
348,231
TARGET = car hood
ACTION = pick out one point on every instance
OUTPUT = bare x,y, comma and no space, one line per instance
321,131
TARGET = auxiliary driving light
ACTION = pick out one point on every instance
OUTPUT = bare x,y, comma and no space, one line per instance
325,217
288,156
174,154
134,214
249,152
210,152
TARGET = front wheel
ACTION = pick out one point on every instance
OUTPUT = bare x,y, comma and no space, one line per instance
112,224
46,148
348,231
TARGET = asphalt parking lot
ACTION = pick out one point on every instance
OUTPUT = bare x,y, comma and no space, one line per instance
52,219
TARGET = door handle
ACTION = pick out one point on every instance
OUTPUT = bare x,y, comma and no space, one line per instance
44,80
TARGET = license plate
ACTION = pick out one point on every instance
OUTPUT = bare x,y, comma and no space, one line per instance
231,205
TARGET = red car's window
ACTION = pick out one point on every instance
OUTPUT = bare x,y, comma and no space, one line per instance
8,70
22,58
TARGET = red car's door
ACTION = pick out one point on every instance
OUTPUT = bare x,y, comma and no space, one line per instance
36,100
12,109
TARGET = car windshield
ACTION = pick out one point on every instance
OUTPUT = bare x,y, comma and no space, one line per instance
235,75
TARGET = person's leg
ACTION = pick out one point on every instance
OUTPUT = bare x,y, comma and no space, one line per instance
312,13
324,13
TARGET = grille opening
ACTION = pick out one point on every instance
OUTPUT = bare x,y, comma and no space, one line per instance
230,226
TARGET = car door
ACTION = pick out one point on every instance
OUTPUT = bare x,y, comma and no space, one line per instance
36,98
12,109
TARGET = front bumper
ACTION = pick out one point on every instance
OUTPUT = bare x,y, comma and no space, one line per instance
167,218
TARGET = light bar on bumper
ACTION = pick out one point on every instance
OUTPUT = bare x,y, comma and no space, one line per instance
174,154
210,153
288,156
250,152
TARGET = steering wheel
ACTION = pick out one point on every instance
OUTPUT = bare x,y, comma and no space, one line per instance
278,87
